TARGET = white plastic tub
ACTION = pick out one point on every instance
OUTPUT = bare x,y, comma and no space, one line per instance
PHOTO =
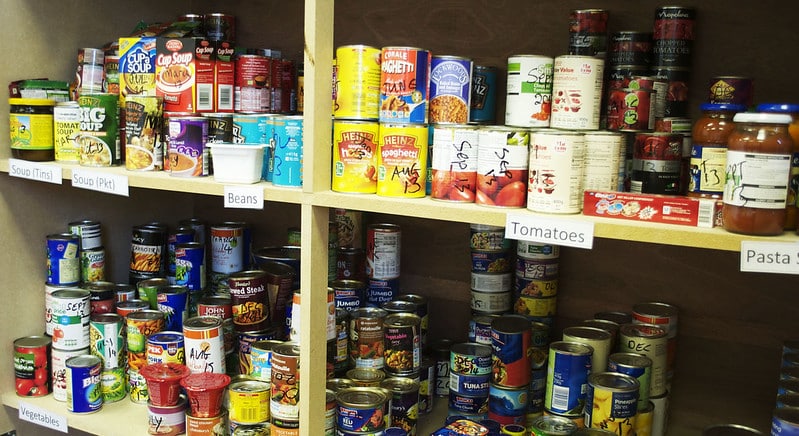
237,163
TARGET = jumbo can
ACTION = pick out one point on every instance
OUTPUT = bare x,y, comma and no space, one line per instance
450,89
355,146
32,366
612,402
529,91
248,401
402,160
67,319
285,390
484,95
454,162
108,343
190,268
63,259
166,347
249,299
604,161
357,84
637,366
567,378
348,294
577,92
287,154
404,85
66,128
651,341
188,154
205,345
402,343
404,403
98,138
383,242
471,359
657,163
510,342
58,371
508,405
366,337
84,392
502,164
557,161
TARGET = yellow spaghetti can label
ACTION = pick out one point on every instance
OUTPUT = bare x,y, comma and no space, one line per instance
355,156
357,82
402,160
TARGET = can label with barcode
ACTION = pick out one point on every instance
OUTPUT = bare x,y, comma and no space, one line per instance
383,243
567,378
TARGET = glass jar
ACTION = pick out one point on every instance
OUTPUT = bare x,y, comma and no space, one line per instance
709,149
31,128
793,186
758,167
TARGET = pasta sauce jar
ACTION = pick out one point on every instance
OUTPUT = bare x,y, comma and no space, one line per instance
758,169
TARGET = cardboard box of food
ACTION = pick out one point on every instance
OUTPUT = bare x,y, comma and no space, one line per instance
136,67
654,208
184,74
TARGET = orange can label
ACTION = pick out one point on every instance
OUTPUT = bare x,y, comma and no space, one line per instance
355,156
402,160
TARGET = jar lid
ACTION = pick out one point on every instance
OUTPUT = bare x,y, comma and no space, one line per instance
731,107
31,102
778,107
762,117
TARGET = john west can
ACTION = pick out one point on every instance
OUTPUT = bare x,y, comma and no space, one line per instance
612,402
402,341
84,393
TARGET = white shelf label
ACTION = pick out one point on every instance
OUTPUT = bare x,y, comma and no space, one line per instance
770,257
34,171
559,231
244,197
45,418
102,182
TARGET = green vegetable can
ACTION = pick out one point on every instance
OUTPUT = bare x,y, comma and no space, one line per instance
107,342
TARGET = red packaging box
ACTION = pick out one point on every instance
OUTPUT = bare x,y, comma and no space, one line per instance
184,74
666,209
224,76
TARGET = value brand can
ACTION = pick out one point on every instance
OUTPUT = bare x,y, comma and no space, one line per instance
84,391
404,85
248,401
402,342
355,146
450,89
557,161
383,242
454,162
402,160
567,378
32,366
611,402
98,138
285,387
357,86
67,318
651,341
577,92
637,366
205,346
529,92
502,166
63,259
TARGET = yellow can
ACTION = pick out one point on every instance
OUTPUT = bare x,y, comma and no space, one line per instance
538,307
31,128
356,83
402,160
611,402
355,156
249,401
643,420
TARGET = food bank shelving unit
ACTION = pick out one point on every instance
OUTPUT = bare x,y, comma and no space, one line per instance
732,323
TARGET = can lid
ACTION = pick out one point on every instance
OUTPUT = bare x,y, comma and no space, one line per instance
401,385
729,430
361,397
762,118
31,102
732,107
786,108
32,342
613,381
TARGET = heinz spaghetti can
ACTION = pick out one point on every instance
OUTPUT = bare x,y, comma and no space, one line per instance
557,161
529,91
402,160
577,92
404,85
355,156
502,165
450,89
357,84
567,378
612,402
454,162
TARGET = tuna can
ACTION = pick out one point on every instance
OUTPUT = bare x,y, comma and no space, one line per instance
631,109
66,127
637,366
383,242
480,329
188,154
357,86
630,48
577,92
657,163
404,85
468,406
468,385
502,166
366,377
567,377
535,269
98,137
144,145
92,265
167,420
166,347
124,308
190,265
249,299
89,232
67,319
246,340
537,250
529,91
599,340
664,315
536,288
402,160
604,161
205,347
63,259
427,384
553,425
285,390
402,342
450,89
355,146
533,307
84,392
229,248
362,409
489,238
174,302
491,261
556,167
673,36
366,337
261,359
484,95
348,294
287,155
454,162
510,343
32,366
612,402
403,402
491,282
202,426
107,332
491,302
651,341
252,81
248,401
470,359
508,405
588,32
220,307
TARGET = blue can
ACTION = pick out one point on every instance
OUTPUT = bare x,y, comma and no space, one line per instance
480,329
166,347
287,168
491,261
536,401
508,402
567,378
785,422
179,236
173,300
190,265
348,294
249,129
63,259
381,291
469,385
538,379
469,406
450,89
84,393
268,170
484,95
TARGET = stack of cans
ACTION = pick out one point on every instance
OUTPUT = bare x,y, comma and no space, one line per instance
469,380
672,48
492,278
536,288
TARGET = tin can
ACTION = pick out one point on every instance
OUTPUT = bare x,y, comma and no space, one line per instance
657,163
287,168
252,81
351,264
660,90
180,235
729,90
139,326
402,160
188,154
200,426
148,290
362,409
643,419
167,420
190,270
553,425
534,307
63,259
402,343
357,85
537,250
404,85
491,282
220,127
66,128
491,302
454,162
348,294
366,377
137,386
144,144
527,268
341,342
535,288
599,340
612,402
58,371
84,392
468,406
631,109
67,318
32,366
567,377
577,92
480,329
510,342
249,299
422,310
92,265
491,262
285,390
230,246
89,232
427,383
124,292
502,164
468,385
651,341
383,242
785,421
403,402
173,301
219,27
107,332
637,366
471,359
220,307
249,401
147,253
366,337
488,238
508,405
98,138
678,79
484,95
379,292
261,359
250,128
450,89
664,315
604,161
355,146
124,308
588,32
166,347
630,47
529,91
673,36
205,347
557,160
245,343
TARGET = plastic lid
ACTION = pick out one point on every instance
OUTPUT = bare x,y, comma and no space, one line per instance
762,117
785,108
732,107
31,102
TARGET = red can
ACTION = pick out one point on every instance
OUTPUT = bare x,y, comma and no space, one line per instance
511,337
220,307
288,102
657,163
32,366
630,109
673,36
630,48
676,90
252,83
588,32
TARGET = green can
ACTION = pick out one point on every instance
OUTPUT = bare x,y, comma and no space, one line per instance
107,341
98,139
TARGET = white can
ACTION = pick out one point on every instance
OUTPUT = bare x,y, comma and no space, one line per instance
660,416
556,172
529,91
577,92
492,282
67,318
58,370
502,159
454,162
491,302
604,161
204,343
598,339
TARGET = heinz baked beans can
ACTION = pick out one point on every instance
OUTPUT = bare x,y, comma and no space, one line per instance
454,162
357,84
612,402
588,32
63,259
502,166
285,383
450,89
205,346
32,366
557,161
567,378
604,161
577,92
484,95
404,85
657,163
355,146
529,91
402,160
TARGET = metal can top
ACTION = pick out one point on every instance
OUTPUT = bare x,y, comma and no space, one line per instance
366,374
554,425
173,289
420,300
166,337
155,282
586,332
249,386
290,349
215,300
32,342
532,56
573,348
368,312
399,306
440,348
361,397
613,381
244,276
62,237
656,309
202,322
511,324
400,385
146,315
617,317
730,430
402,319
105,318
346,284
336,384
471,349
133,304
83,361
71,293
265,345
650,331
